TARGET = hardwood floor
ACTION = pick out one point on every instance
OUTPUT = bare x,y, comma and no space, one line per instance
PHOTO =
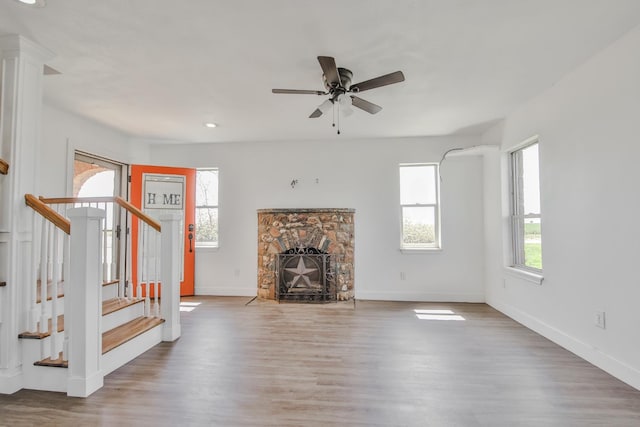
314,365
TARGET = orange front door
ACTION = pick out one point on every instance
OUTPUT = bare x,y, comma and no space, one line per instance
147,184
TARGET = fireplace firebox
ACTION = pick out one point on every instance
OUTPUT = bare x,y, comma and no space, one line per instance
305,275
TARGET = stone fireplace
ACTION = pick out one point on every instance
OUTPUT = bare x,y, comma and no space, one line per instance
306,255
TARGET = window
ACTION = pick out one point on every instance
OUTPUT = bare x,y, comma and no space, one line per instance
207,208
419,201
526,225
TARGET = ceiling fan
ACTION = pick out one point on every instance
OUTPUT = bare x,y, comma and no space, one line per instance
337,82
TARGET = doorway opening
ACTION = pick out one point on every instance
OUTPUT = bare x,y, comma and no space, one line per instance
95,176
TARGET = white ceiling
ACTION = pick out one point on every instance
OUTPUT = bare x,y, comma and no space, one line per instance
159,69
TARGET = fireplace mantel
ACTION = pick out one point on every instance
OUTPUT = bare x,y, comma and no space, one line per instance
329,230
306,211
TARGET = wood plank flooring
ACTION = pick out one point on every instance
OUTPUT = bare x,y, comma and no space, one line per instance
269,364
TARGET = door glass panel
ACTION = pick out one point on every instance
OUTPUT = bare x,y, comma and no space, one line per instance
165,194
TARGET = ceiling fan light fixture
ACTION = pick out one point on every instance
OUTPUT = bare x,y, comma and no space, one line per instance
344,100
344,103
210,125
326,106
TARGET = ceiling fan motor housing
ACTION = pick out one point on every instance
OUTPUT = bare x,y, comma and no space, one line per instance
345,81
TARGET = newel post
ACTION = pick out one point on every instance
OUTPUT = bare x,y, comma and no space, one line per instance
170,273
83,305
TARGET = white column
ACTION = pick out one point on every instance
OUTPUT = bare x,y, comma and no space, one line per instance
83,310
170,276
22,63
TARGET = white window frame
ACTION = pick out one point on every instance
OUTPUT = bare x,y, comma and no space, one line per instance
211,245
517,214
435,246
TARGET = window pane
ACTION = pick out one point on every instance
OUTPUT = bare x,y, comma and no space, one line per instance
417,185
533,243
207,225
531,179
418,226
207,188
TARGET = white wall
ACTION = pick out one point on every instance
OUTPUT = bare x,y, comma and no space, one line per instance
351,174
588,125
63,132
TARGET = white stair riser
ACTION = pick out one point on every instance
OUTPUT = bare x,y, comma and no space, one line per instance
110,291
46,378
130,350
122,316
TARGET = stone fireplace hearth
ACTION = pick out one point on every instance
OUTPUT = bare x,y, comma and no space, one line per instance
306,255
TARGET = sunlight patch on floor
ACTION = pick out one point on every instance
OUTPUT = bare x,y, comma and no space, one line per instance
188,306
437,315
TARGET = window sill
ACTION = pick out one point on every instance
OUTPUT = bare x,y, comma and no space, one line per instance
420,250
524,275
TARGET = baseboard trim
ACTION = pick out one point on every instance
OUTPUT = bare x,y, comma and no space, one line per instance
226,291
11,381
612,366
419,296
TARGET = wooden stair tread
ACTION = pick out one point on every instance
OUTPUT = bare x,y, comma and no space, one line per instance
60,288
127,331
112,339
41,335
111,282
56,363
115,304
108,306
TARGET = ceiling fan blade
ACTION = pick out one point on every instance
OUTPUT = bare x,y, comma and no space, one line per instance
316,113
367,106
385,80
299,91
330,70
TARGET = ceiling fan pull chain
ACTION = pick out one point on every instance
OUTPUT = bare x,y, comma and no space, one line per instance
333,111
338,117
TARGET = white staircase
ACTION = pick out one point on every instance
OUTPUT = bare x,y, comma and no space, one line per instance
79,329
126,333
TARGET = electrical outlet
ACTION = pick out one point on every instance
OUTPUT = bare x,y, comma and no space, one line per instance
600,319
403,275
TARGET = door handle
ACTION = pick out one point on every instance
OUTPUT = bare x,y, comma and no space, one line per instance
190,237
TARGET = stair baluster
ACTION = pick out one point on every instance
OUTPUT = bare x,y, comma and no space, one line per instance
54,341
129,258
33,309
156,274
42,325
145,274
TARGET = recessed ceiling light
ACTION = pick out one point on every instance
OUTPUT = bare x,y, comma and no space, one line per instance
210,125
36,3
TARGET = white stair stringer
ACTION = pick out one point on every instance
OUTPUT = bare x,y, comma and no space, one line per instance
133,348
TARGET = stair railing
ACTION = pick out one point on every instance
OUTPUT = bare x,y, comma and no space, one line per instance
50,261
146,270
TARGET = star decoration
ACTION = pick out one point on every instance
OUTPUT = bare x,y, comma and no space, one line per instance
300,272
